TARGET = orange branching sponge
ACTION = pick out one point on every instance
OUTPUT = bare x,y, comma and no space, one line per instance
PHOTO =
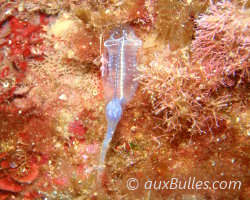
180,93
222,42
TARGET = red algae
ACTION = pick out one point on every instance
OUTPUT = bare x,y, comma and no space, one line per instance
20,40
5,164
3,196
31,195
77,128
7,184
26,177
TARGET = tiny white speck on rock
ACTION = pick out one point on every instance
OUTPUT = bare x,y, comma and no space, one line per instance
63,97
5,85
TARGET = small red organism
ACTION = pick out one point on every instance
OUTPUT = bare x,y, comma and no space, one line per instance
77,128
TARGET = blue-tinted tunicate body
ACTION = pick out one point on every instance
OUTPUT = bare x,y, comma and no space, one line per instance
119,79
121,72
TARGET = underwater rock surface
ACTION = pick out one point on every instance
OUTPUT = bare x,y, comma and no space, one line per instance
184,134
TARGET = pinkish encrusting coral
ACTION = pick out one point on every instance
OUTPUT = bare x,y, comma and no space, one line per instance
222,42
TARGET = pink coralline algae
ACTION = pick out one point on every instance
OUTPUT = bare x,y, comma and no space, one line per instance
222,42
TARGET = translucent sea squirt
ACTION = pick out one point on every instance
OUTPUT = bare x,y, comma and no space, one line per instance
119,80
